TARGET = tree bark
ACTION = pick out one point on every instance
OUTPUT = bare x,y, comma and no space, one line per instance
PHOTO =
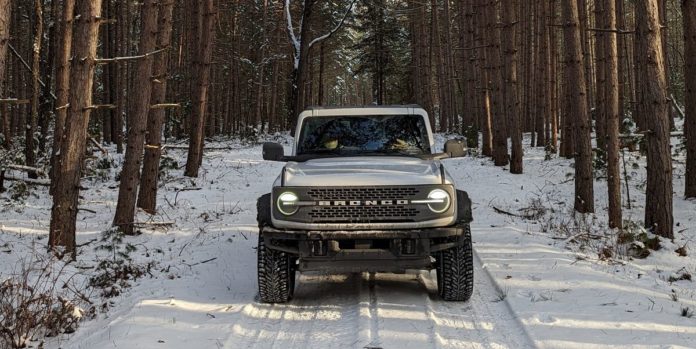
32,123
512,101
138,111
689,17
611,109
202,79
62,83
5,120
653,105
483,73
72,143
575,82
499,124
147,198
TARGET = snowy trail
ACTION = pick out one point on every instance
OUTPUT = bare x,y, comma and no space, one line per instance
329,311
202,293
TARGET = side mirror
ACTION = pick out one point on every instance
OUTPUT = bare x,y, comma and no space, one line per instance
455,148
273,151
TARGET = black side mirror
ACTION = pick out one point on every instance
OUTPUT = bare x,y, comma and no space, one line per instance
273,151
455,148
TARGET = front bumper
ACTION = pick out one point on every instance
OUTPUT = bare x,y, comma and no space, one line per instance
363,251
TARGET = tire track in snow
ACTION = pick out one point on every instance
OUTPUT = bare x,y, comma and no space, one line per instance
509,325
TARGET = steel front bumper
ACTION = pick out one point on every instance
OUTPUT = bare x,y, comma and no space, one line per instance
363,251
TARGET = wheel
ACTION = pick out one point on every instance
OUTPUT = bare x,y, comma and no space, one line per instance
455,271
276,269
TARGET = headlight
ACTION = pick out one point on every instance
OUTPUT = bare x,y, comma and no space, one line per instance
439,201
287,203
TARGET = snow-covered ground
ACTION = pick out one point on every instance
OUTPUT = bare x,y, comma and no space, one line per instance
539,283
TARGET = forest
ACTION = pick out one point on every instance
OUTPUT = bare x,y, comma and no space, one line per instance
488,70
598,82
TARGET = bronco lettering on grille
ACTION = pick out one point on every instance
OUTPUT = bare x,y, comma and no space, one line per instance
363,203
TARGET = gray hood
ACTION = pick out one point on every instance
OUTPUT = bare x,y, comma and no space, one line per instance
363,171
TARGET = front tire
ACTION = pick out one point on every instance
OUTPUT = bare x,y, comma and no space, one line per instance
455,270
276,269
276,275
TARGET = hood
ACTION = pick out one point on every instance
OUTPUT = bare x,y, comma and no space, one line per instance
363,171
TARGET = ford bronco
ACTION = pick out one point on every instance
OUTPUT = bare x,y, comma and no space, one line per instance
364,191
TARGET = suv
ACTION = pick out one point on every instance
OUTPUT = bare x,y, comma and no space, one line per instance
364,191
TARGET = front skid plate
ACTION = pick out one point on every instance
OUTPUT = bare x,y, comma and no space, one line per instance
429,233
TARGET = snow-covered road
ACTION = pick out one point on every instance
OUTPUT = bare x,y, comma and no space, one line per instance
202,292
329,311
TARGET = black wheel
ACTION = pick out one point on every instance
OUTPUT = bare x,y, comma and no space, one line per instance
276,269
455,271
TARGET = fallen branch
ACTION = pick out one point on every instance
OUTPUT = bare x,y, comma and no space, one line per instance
530,216
642,134
94,141
186,147
27,169
29,181
86,243
153,224
201,262
176,197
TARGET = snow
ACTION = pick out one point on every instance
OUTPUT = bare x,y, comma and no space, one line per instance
537,285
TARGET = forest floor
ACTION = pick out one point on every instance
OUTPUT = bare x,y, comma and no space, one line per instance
544,277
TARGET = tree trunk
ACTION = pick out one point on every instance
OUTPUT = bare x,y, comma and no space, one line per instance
542,54
202,79
5,128
689,13
499,124
611,109
46,106
575,82
600,107
32,123
138,110
72,145
552,76
512,102
147,198
62,83
485,93
653,105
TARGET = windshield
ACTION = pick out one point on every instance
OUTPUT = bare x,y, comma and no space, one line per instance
364,135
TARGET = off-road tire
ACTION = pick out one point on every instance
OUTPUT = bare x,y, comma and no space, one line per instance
455,270
276,269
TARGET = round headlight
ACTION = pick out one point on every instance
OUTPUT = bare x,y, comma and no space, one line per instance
439,201
287,203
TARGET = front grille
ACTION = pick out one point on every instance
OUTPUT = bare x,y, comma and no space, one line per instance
363,193
362,214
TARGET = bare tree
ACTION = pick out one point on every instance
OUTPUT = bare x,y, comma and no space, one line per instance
302,44
611,109
138,111
499,124
689,17
72,143
577,107
5,22
201,68
30,130
62,82
510,87
147,197
653,105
